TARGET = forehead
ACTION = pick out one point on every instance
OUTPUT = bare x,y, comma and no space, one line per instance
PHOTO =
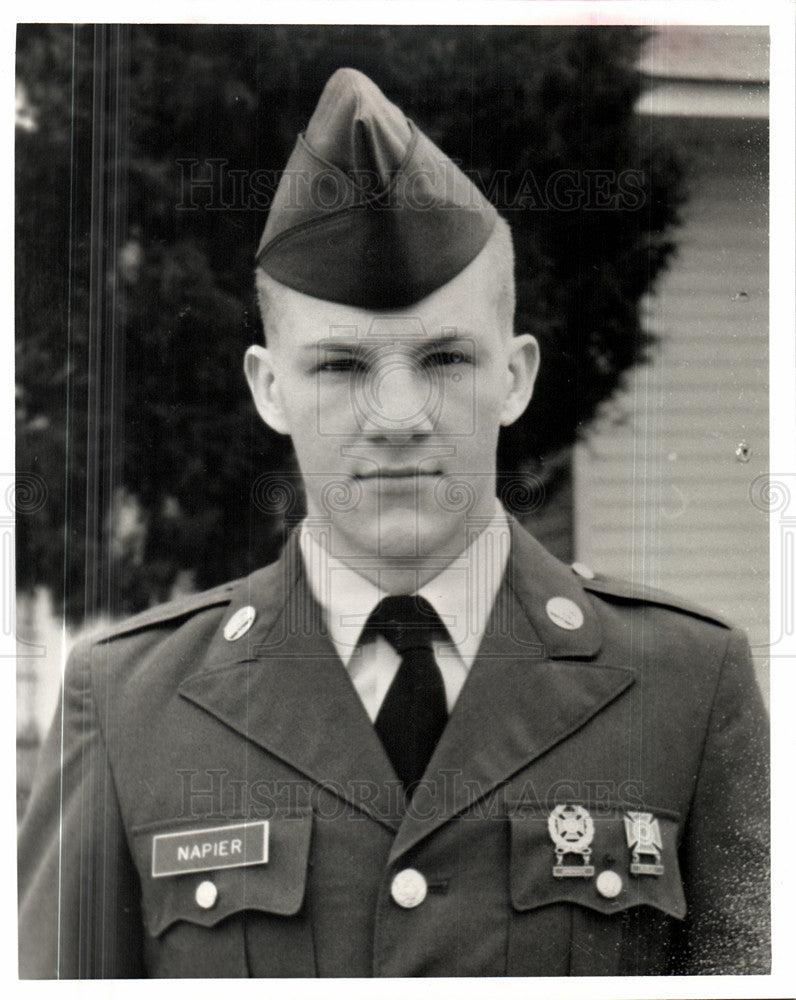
462,307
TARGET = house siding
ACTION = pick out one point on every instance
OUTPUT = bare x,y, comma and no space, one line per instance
660,494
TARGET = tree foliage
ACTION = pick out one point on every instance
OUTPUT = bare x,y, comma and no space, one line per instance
141,194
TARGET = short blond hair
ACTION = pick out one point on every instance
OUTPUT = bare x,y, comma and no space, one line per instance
498,257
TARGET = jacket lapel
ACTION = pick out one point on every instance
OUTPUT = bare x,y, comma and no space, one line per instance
283,686
533,684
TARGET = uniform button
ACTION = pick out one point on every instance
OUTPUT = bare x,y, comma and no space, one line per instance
240,623
564,613
609,884
206,895
583,570
408,888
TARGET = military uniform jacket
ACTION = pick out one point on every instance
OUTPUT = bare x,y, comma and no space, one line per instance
646,711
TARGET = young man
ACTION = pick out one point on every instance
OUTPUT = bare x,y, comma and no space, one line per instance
416,744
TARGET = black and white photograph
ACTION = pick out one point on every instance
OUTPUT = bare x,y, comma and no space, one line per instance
394,506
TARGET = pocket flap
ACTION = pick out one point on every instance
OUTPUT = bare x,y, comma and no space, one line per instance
205,897
613,886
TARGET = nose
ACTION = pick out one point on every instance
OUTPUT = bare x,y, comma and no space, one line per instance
399,397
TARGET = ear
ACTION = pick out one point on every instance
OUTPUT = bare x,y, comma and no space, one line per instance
523,364
258,364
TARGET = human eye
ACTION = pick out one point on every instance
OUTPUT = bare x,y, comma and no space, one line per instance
447,357
342,364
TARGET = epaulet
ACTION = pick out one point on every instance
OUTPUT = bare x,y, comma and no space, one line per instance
181,607
627,591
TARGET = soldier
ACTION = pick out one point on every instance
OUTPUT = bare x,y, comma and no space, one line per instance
416,744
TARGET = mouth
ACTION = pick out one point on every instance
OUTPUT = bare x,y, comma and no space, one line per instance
402,472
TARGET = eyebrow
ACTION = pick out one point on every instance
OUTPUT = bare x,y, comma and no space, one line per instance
358,346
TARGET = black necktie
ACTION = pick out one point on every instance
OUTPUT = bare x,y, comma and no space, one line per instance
413,713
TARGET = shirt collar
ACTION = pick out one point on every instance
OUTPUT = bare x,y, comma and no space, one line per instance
462,594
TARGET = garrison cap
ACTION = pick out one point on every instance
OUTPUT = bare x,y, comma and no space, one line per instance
368,211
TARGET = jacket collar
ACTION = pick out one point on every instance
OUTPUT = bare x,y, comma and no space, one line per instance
537,578
533,575
462,594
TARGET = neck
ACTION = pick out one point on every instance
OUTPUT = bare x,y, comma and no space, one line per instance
401,579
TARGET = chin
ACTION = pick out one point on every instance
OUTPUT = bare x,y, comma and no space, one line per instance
406,533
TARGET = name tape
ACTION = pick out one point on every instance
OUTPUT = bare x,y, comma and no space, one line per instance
209,849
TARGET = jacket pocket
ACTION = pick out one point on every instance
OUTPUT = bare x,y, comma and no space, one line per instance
608,913
233,914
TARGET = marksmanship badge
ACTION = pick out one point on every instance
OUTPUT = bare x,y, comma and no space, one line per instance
571,829
644,839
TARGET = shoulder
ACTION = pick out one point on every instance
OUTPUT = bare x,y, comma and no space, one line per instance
664,627
616,619
617,591
172,613
265,586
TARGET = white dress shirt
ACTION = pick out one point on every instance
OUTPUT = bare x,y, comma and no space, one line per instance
462,594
